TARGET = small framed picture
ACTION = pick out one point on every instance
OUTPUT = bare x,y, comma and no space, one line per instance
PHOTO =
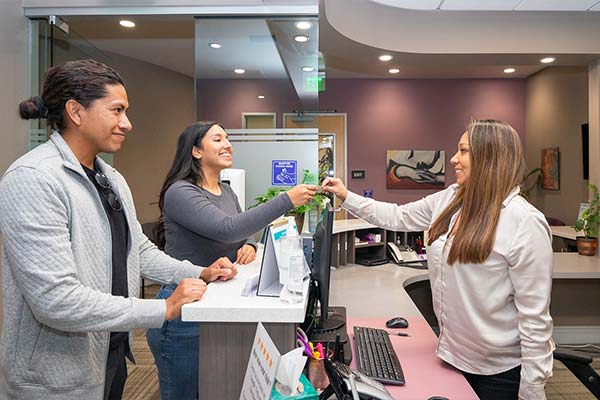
550,169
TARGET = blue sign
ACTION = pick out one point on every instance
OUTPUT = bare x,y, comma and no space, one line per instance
284,173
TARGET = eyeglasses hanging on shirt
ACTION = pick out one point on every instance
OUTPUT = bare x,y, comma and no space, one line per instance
108,192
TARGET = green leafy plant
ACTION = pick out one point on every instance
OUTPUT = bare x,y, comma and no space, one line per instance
530,181
307,178
590,217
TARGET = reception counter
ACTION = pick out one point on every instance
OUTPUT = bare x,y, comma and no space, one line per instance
370,295
227,327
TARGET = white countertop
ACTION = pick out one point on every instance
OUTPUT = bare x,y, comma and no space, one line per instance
345,225
223,302
574,266
566,232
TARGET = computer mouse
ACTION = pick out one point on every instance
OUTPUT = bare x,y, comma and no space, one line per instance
397,322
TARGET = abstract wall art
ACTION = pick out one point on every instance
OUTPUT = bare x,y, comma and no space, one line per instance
550,169
415,169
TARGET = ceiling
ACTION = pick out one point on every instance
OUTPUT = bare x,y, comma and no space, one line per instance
168,41
495,5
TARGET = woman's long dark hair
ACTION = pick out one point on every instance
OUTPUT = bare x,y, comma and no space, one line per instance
184,168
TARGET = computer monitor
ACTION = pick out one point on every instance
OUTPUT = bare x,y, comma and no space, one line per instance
321,273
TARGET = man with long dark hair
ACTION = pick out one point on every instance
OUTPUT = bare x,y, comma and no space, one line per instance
74,250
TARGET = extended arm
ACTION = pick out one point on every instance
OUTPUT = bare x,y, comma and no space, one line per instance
189,207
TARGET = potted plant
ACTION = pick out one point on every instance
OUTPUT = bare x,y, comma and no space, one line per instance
589,222
531,181
298,212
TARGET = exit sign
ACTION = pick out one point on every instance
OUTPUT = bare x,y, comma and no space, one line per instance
314,84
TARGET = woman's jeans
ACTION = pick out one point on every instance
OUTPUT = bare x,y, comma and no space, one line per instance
502,386
175,350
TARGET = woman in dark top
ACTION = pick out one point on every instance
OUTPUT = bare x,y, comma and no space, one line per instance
200,221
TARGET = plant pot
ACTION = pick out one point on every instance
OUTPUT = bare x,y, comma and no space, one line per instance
587,246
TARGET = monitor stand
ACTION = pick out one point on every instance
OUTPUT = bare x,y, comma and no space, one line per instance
335,325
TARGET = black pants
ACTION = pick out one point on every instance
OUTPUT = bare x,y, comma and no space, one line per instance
502,386
116,372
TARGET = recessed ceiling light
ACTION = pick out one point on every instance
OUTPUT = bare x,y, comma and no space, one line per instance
509,70
127,23
308,69
547,60
239,71
304,25
394,71
215,45
385,57
261,96
301,38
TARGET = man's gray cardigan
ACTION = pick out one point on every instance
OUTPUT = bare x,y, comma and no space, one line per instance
56,277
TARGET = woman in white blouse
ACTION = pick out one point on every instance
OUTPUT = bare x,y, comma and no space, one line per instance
490,264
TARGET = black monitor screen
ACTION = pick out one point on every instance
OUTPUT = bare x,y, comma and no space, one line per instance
321,270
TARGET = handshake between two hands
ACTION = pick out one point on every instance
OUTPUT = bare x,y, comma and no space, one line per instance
192,289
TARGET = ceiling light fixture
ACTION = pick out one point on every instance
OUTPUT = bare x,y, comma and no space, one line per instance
547,60
239,71
301,38
509,70
394,70
304,25
261,96
308,69
127,23
215,45
385,57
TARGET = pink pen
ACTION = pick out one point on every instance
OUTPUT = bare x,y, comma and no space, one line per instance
320,349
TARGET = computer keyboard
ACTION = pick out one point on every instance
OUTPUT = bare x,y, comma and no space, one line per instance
376,356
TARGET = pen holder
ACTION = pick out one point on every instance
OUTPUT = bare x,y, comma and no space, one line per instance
307,391
316,373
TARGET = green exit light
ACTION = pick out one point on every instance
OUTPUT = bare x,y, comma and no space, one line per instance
314,84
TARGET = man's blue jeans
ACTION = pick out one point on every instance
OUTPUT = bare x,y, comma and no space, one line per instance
175,350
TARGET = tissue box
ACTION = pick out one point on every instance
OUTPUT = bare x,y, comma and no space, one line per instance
309,392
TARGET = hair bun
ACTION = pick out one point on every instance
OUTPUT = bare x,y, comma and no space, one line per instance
33,108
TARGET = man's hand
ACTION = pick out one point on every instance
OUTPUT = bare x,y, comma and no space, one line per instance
188,291
246,254
221,269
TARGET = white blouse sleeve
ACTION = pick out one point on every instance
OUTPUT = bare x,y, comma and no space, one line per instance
530,271
415,216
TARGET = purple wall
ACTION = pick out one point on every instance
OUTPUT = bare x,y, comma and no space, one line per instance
383,114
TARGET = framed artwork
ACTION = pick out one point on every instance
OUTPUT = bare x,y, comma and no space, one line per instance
415,169
550,169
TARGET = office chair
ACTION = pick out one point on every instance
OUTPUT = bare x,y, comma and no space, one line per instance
554,221
580,365
148,229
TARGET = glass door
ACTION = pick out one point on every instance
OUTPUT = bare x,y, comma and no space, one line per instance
53,43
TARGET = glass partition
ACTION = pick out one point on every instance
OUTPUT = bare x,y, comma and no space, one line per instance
260,66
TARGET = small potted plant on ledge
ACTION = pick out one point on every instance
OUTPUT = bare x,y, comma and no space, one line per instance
589,222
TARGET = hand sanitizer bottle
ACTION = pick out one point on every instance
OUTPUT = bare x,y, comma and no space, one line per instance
291,269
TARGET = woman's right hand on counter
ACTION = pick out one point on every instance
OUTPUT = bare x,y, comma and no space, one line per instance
302,194
335,186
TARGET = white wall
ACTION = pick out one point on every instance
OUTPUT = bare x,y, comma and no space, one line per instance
556,106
